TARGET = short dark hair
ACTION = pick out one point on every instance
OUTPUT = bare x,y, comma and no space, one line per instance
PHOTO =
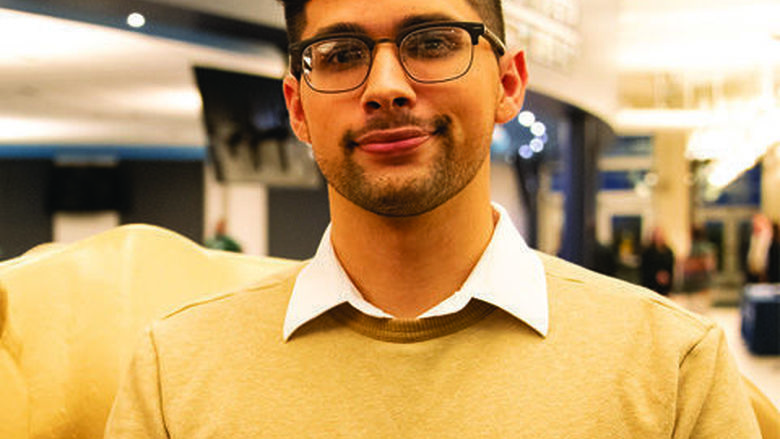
489,10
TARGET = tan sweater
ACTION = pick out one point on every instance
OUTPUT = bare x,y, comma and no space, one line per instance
618,362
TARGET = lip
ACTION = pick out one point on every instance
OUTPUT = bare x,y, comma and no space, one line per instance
392,141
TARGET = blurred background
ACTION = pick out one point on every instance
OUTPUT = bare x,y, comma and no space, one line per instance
648,148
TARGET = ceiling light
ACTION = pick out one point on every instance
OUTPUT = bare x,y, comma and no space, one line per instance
136,20
639,119
23,129
165,100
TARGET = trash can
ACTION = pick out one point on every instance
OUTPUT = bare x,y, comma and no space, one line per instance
760,311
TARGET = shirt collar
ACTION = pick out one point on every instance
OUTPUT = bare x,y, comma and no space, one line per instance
508,275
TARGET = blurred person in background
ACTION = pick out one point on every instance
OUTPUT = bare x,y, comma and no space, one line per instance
699,270
221,240
758,252
773,261
604,259
657,265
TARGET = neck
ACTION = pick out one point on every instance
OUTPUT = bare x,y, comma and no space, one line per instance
405,266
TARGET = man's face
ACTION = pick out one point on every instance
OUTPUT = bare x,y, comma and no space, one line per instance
394,146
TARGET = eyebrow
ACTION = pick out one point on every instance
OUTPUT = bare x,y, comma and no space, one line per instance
340,28
353,28
421,19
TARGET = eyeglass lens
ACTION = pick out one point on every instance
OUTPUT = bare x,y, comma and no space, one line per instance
428,55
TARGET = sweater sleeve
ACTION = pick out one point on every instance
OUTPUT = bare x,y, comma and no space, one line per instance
711,400
137,411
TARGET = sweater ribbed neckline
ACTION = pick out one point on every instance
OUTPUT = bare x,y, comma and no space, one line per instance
411,330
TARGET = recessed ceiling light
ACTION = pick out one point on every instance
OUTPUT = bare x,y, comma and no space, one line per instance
136,20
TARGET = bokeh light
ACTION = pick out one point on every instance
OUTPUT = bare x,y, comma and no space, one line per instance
526,118
526,152
538,129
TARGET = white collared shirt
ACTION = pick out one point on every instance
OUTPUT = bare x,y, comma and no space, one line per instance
508,275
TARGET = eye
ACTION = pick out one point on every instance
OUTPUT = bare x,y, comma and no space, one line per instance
433,43
339,54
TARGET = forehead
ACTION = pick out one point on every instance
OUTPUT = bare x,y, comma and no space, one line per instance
381,17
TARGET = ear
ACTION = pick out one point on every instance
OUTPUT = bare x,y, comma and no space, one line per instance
514,78
292,97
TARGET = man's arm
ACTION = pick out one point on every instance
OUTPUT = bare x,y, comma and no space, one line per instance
712,402
137,411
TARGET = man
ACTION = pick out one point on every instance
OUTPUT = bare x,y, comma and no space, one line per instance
758,251
221,240
423,313
657,264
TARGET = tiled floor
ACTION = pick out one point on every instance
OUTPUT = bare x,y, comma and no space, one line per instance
764,371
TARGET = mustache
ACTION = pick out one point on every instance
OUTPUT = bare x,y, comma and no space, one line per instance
436,125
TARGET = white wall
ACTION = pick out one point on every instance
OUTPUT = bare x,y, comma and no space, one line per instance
244,206
592,81
72,227
551,219
621,203
625,202
506,192
731,217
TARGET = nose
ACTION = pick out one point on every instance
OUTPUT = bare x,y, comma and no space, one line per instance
387,86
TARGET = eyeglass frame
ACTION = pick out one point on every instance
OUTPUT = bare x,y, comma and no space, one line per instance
474,29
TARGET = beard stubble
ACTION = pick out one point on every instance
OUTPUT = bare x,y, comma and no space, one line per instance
447,173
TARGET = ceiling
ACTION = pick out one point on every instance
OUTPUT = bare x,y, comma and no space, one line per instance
82,82
70,82
696,55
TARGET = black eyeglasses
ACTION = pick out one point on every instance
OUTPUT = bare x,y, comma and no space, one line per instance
429,53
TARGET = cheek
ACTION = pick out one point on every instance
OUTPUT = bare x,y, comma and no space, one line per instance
481,114
326,120
476,115
484,87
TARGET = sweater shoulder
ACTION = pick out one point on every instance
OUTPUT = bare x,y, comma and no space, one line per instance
613,302
263,302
